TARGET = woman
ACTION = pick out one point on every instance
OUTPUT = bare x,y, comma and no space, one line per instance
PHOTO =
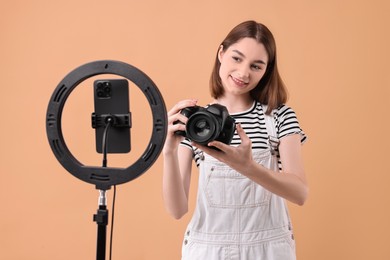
240,212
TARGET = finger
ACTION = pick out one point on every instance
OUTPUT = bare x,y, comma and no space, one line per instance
212,152
221,146
177,118
240,131
245,140
182,104
176,127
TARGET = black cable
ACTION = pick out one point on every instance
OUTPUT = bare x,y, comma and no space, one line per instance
105,139
105,149
112,219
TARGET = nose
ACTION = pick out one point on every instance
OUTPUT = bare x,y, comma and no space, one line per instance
243,72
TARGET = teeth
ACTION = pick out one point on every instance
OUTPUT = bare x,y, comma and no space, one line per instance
240,82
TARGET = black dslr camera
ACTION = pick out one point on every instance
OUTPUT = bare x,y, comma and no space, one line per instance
206,124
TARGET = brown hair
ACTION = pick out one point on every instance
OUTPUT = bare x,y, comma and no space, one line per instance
270,90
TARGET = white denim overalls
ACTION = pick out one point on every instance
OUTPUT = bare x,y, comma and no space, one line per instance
235,218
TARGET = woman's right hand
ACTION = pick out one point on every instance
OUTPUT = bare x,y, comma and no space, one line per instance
173,140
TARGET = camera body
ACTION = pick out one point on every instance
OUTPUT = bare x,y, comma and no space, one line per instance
206,124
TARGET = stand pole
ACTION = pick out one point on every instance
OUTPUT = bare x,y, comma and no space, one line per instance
101,218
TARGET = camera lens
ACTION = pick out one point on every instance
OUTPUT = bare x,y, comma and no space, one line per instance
100,93
202,128
107,87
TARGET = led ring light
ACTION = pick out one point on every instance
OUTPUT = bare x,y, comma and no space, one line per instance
105,177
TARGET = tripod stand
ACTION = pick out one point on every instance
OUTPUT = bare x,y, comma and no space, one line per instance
101,219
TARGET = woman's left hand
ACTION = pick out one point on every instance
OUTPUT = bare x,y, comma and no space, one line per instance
291,185
236,157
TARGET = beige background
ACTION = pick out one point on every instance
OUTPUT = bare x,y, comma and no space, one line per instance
333,56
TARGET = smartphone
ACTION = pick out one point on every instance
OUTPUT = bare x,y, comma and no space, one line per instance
111,97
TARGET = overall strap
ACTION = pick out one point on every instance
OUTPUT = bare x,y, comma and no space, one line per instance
271,130
273,144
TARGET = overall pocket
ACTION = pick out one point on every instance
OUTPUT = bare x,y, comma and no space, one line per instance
226,188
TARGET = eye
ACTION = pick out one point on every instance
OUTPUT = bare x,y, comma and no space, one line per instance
256,67
237,59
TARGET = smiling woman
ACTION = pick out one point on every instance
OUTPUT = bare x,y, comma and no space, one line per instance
241,211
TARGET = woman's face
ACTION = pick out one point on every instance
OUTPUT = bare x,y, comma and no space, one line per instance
243,64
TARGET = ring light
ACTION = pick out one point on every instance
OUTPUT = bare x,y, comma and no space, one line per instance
105,177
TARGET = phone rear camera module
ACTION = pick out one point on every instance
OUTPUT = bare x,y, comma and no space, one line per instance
103,89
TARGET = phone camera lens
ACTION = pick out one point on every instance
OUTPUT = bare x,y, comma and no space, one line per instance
107,87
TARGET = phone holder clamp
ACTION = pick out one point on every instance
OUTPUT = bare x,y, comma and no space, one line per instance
118,120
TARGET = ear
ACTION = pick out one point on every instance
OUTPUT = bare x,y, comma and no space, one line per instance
221,52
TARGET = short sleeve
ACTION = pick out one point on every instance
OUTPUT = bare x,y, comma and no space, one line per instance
287,123
187,143
196,153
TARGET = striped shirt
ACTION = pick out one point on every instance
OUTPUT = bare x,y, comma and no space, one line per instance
253,123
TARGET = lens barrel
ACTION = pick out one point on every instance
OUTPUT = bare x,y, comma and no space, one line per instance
202,128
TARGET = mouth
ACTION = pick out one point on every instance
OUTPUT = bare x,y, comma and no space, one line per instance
239,82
